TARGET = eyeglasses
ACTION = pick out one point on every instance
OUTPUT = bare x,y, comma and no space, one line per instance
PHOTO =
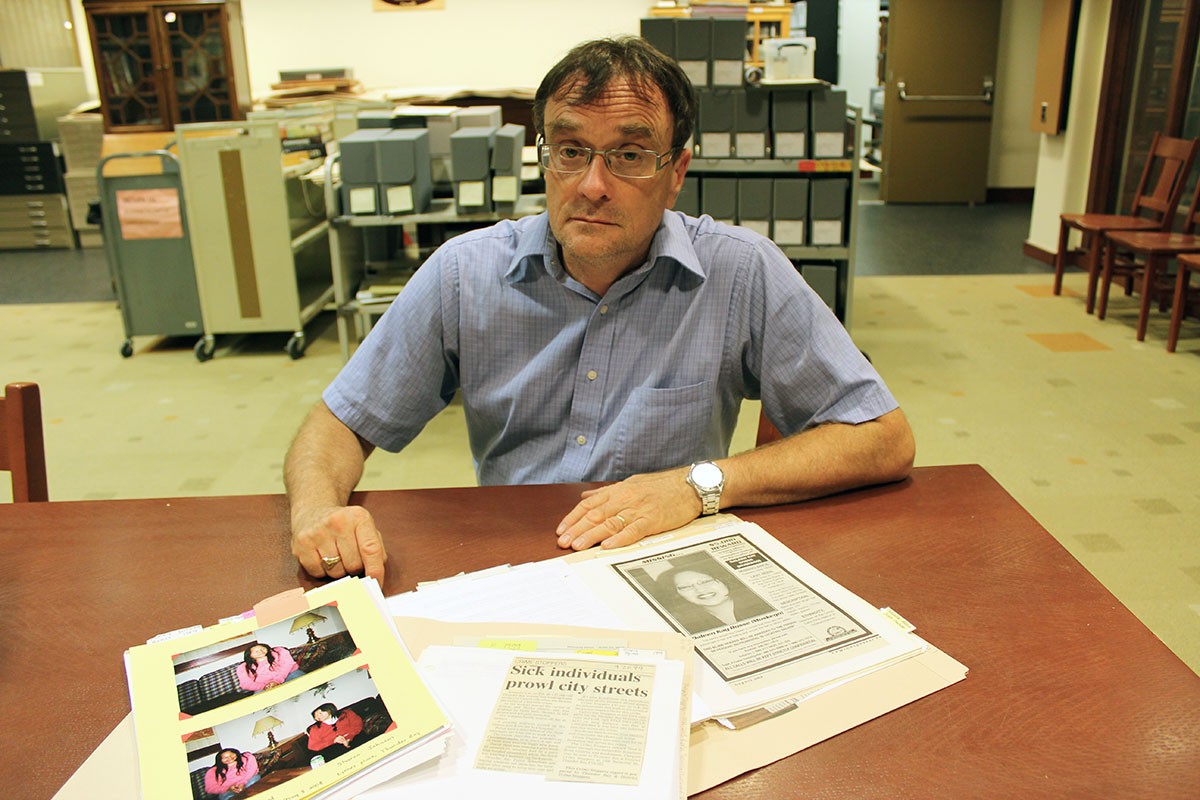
624,162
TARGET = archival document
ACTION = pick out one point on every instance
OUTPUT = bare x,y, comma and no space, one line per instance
765,623
536,725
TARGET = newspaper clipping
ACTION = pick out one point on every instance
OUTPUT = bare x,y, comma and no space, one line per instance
745,613
571,720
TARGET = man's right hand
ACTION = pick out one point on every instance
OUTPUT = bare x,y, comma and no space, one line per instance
345,532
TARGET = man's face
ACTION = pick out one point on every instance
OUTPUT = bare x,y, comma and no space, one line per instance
600,219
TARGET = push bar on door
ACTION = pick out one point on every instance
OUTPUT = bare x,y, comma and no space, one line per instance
989,89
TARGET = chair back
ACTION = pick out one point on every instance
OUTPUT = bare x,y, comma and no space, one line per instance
22,448
1167,167
1192,221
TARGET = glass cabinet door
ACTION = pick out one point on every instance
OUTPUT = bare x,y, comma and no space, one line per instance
126,71
199,69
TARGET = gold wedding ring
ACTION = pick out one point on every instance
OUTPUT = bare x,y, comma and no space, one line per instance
623,522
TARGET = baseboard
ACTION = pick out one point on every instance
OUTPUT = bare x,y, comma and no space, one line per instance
1010,194
1037,253
1074,257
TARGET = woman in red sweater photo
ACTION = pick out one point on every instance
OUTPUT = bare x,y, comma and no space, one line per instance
334,731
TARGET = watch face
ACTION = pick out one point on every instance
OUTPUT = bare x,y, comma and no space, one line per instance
707,475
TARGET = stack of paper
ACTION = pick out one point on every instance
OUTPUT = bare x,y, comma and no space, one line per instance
552,712
771,633
262,706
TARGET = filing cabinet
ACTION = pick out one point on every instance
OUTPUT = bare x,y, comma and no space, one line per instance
30,168
18,122
34,221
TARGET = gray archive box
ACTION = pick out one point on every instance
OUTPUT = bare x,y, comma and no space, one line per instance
359,156
375,118
405,174
693,49
688,200
827,211
828,124
728,51
478,117
754,204
718,198
471,169
506,166
823,278
360,171
715,129
751,123
789,123
660,33
790,210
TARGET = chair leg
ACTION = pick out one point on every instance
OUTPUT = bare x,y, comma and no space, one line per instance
1177,307
1110,256
1093,268
1060,258
1149,276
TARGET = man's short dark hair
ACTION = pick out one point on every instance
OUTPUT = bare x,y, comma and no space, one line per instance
585,73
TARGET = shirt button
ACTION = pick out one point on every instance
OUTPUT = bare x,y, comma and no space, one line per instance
581,439
592,375
604,309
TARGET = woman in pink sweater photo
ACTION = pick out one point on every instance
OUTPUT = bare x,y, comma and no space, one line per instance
264,667
233,773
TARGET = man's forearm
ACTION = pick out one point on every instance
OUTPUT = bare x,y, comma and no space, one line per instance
820,461
324,463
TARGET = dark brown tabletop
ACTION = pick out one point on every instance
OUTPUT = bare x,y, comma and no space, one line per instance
1068,694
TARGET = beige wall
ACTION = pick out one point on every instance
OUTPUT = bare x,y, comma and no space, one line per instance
1014,150
1064,161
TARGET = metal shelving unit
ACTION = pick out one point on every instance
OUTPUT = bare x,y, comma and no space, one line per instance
848,168
237,182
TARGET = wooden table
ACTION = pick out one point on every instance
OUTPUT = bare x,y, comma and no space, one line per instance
1068,694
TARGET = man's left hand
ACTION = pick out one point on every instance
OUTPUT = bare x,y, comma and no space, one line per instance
625,512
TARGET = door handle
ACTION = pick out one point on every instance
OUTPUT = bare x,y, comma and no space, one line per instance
989,90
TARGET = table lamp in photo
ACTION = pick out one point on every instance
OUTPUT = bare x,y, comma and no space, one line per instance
265,725
306,621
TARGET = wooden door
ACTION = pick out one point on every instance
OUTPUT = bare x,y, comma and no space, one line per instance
937,121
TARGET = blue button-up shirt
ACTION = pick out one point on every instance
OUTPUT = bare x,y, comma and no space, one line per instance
561,385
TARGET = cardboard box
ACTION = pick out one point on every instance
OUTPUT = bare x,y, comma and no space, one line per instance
82,140
82,189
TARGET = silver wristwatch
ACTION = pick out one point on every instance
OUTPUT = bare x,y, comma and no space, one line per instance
708,480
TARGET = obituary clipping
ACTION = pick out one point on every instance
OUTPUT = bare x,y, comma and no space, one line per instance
745,613
570,720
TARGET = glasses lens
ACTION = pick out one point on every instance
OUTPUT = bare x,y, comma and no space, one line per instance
633,163
564,158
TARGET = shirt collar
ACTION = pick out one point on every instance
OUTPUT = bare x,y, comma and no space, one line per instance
538,244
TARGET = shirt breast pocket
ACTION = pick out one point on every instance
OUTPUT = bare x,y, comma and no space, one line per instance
663,428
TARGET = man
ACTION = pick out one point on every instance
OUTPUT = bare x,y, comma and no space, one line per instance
608,339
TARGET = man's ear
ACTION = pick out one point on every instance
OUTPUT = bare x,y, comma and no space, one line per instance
678,172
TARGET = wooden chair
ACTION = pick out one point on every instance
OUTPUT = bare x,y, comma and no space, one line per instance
1123,249
22,449
1167,166
1187,265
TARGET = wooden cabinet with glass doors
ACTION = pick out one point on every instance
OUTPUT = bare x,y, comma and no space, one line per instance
162,63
